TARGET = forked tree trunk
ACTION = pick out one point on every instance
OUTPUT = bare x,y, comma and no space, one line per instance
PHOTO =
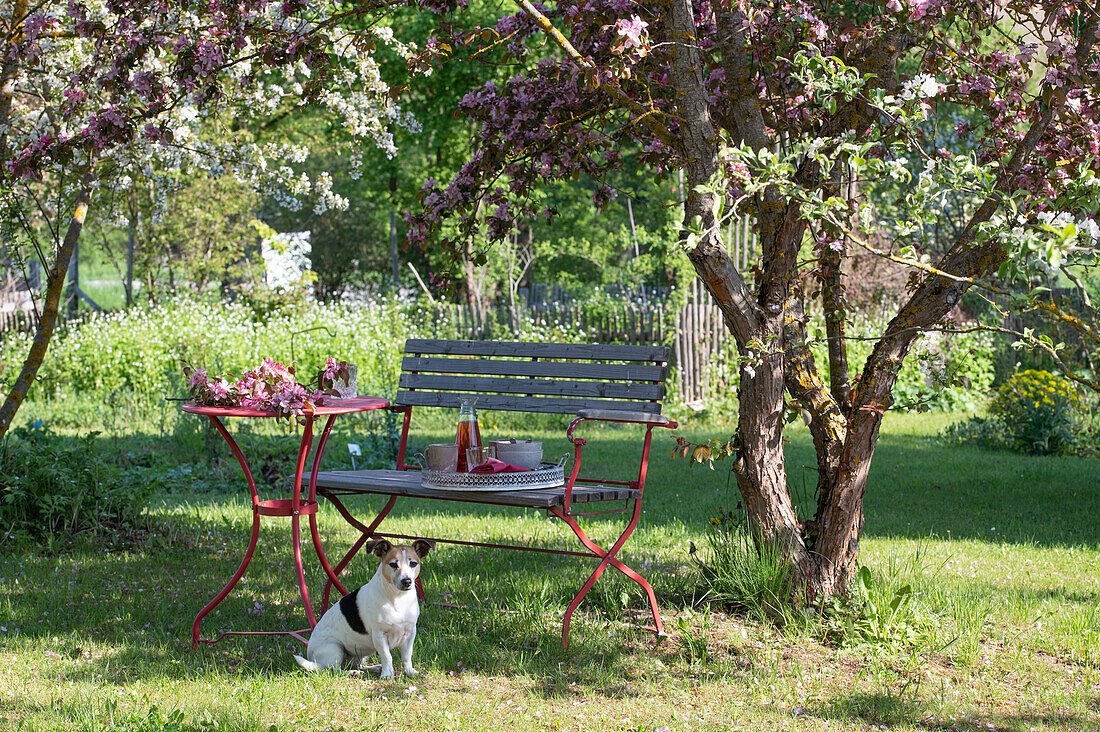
768,326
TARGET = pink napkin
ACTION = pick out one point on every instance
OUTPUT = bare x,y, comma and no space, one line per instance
492,465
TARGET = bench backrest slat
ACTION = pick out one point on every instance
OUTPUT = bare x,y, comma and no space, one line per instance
520,349
561,378
545,387
547,369
517,403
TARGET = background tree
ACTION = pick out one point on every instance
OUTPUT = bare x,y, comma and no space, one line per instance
774,109
204,237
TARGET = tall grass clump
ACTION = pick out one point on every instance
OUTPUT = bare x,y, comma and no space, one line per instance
884,610
739,575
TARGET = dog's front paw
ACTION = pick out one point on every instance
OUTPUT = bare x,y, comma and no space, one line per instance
410,671
387,673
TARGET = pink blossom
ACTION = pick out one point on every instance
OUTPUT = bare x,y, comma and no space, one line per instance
920,8
198,379
220,389
632,31
329,370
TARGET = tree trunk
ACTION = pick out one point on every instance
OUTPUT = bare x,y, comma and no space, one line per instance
55,285
769,325
760,467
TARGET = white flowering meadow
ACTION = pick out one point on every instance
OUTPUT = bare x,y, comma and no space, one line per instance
142,349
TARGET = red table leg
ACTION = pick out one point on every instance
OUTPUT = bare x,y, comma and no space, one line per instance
366,532
329,571
294,508
251,542
296,505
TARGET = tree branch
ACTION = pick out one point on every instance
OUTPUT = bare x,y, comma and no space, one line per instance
700,144
654,119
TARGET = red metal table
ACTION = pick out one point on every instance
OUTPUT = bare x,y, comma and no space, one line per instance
294,507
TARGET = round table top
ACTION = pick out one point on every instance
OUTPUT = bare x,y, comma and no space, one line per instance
332,406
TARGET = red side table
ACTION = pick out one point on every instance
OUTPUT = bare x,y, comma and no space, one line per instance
294,507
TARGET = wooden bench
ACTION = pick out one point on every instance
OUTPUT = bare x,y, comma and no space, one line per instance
610,383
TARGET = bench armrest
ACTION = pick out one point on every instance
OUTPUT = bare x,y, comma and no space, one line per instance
611,415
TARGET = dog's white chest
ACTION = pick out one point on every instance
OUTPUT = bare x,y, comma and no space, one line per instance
395,621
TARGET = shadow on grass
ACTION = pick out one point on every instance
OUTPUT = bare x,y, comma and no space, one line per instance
140,602
918,486
886,711
135,609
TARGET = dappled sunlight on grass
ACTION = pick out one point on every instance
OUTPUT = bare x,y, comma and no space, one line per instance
998,548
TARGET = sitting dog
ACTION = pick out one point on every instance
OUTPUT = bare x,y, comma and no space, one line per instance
378,616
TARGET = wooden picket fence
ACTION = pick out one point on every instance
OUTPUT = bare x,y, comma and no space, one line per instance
16,320
697,348
17,307
695,333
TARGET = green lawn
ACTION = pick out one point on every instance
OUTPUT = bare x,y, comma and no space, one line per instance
1003,552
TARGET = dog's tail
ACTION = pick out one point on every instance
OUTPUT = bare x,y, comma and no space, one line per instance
307,665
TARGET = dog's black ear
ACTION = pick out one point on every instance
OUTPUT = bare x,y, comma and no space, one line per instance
380,547
423,546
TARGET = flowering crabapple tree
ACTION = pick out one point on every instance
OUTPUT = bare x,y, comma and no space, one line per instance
99,96
790,111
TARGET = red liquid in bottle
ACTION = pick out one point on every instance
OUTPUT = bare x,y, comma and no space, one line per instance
469,435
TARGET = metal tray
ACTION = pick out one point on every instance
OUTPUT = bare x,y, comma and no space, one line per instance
546,475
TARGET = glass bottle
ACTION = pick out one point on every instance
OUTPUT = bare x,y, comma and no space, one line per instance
469,434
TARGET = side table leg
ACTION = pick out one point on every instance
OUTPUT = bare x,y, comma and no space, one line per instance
232,582
329,571
366,533
236,450
296,517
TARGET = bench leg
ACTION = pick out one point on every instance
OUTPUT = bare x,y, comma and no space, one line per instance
366,532
608,557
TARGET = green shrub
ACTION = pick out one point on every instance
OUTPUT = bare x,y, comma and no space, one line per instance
52,485
944,372
1033,412
1039,412
984,432
140,349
